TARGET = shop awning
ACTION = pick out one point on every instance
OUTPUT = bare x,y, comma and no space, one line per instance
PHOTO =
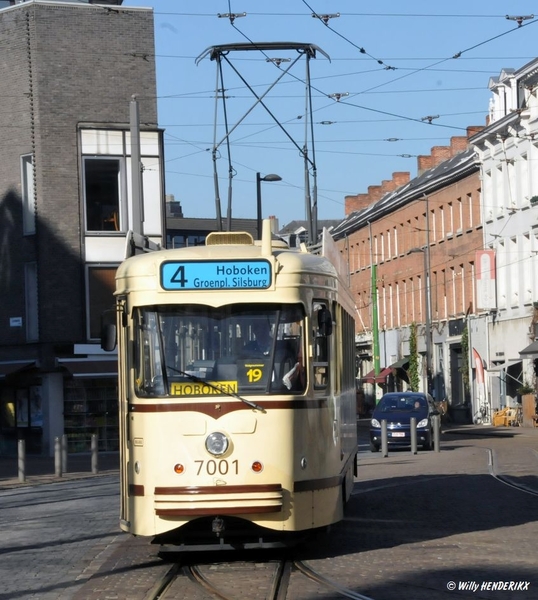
531,351
400,364
371,377
503,366
10,368
90,368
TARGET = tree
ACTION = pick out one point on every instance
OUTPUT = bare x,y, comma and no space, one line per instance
414,379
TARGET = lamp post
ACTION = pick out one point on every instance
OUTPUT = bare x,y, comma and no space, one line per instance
427,313
259,179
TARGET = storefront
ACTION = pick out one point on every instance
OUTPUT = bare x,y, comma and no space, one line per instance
78,399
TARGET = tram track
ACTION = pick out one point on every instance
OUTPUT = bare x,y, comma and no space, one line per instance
506,480
243,581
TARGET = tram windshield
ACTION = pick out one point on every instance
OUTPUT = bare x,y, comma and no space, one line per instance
198,350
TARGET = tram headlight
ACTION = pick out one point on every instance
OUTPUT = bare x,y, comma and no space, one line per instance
216,443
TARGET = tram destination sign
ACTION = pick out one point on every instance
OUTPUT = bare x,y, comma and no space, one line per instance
216,275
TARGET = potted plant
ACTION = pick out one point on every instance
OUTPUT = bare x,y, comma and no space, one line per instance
525,389
528,404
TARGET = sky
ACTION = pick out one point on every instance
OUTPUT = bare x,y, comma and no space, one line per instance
388,81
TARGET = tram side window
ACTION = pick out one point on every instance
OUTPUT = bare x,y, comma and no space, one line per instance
322,329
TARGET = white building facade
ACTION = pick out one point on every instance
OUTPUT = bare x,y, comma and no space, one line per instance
504,323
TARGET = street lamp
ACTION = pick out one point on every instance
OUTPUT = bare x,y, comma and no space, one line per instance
427,316
259,179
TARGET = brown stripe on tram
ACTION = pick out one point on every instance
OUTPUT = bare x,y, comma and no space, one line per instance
221,511
317,484
136,490
219,489
321,484
219,409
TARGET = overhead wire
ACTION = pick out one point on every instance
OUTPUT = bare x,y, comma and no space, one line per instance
387,113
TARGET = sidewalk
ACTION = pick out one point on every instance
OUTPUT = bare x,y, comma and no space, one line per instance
40,469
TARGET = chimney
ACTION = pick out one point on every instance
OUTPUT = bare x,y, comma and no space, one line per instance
424,163
401,178
440,154
473,130
353,203
458,144
376,192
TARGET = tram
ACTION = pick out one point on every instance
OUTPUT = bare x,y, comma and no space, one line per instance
225,430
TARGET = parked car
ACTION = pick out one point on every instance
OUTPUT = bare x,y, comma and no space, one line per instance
398,408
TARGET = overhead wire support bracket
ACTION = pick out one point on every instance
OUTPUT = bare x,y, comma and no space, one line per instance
231,16
519,18
325,18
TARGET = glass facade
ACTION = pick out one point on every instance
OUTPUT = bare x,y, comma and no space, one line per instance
91,407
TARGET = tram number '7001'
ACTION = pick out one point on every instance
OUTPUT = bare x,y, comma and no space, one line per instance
222,467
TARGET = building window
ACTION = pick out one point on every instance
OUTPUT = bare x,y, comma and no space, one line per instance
177,240
382,247
469,212
28,195
513,271
102,194
30,289
458,217
100,297
499,192
450,219
523,178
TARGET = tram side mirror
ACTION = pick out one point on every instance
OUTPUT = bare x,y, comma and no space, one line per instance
108,331
325,321
108,337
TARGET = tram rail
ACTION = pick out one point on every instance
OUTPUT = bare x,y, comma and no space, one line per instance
278,575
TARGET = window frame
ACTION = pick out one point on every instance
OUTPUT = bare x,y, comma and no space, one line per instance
118,223
28,194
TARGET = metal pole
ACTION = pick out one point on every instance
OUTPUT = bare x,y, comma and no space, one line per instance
384,439
427,302
214,152
64,453
375,325
437,433
57,457
259,206
21,449
413,435
136,168
95,460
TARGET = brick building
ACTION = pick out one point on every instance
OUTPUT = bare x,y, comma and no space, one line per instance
421,235
69,72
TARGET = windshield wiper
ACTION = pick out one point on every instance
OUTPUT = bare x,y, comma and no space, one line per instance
218,388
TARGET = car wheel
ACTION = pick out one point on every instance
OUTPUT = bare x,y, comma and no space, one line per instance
428,445
374,447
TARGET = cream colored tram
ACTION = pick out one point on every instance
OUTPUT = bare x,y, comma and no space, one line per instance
220,437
